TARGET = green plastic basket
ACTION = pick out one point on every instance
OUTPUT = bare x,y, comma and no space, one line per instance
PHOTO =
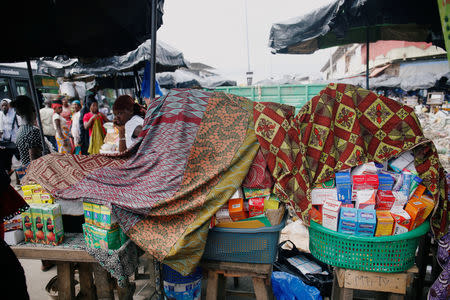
386,254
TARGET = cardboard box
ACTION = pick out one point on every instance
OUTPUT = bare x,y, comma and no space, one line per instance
418,192
96,237
320,195
367,168
96,218
344,187
28,226
14,237
399,163
386,182
385,223
38,223
223,215
381,166
330,214
348,220
255,206
365,199
238,193
400,199
402,220
252,193
385,200
429,202
88,213
367,221
106,219
236,209
415,209
53,224
415,182
407,178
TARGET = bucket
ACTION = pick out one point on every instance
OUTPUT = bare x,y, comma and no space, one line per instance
179,287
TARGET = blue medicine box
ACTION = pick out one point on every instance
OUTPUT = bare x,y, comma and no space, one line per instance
348,220
367,222
385,182
344,187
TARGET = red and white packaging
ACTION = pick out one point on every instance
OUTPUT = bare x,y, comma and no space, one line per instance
330,214
372,181
319,195
400,198
255,206
365,199
402,220
364,182
223,215
385,200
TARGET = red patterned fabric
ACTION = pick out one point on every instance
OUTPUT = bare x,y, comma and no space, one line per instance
342,127
258,176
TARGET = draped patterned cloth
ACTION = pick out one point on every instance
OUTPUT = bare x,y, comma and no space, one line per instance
342,127
196,148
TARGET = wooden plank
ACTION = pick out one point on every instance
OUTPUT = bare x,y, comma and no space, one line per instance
371,281
87,288
241,267
57,254
260,288
393,296
211,288
66,284
103,283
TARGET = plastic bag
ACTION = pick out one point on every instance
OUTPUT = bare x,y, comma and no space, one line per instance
286,286
324,283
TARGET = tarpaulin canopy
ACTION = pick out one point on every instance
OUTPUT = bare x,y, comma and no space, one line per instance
99,28
167,59
352,21
185,78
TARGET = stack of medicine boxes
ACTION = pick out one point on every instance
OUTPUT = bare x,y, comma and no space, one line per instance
101,229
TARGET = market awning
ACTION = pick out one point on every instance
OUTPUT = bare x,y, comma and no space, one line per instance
84,28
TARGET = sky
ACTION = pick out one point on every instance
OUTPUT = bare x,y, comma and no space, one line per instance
213,32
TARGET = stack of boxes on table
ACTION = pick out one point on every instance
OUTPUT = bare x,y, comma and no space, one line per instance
373,199
42,222
247,208
101,229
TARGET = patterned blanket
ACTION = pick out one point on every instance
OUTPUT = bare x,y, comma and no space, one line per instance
196,148
342,127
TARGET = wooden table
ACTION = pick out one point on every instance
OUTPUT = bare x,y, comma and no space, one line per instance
218,270
65,260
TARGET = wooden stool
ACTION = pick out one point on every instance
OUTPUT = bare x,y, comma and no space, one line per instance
217,271
346,281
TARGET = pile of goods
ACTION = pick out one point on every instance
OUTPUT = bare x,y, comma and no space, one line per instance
13,230
101,229
373,199
111,141
34,193
436,127
42,224
249,208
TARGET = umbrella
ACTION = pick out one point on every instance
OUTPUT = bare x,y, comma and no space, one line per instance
95,28
358,21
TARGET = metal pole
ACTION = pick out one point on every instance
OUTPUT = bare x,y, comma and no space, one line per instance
367,57
153,52
36,106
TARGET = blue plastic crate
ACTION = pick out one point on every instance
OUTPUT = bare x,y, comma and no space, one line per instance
172,276
258,245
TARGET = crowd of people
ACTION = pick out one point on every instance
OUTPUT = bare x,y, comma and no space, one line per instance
70,126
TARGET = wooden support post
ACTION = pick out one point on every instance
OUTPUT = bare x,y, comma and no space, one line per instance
66,284
211,288
260,288
221,285
103,283
87,288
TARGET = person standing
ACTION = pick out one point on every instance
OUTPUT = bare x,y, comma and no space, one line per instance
75,129
9,124
93,121
61,128
47,123
128,120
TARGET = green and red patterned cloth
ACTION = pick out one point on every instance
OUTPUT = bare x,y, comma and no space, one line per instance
342,127
197,147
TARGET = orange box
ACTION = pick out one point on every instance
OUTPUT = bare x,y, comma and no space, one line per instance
402,220
429,202
236,209
385,223
416,209
315,213
419,192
